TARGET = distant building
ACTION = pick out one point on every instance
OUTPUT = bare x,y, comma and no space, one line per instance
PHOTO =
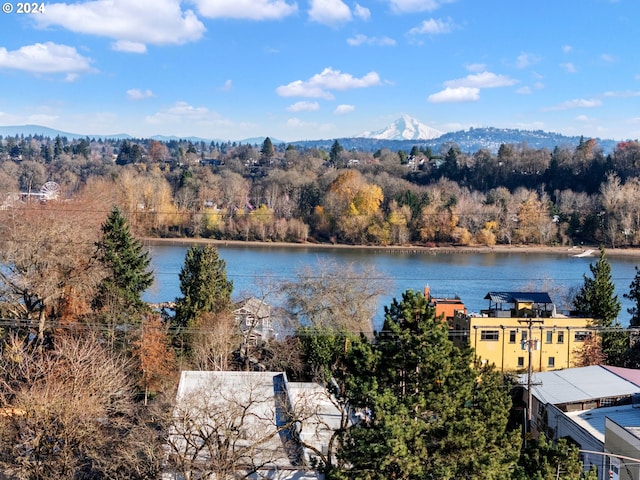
254,319
518,321
594,407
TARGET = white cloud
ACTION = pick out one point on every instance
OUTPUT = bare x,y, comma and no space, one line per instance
129,47
303,106
525,60
583,118
46,57
569,67
246,9
623,94
363,13
476,67
482,80
137,94
186,116
524,91
360,39
455,95
132,24
577,103
608,58
344,109
567,48
228,85
433,27
329,12
410,6
320,85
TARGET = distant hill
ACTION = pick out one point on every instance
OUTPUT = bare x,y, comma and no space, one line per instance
35,130
469,141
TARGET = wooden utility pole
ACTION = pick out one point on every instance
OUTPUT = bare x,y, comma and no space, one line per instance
530,344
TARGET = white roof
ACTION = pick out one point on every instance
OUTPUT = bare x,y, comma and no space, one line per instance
265,410
627,416
578,385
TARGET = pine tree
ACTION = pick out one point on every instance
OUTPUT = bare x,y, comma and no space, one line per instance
126,263
597,298
204,285
267,150
431,413
335,154
634,296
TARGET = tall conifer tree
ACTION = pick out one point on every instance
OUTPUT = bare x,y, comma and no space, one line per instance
204,285
127,268
430,413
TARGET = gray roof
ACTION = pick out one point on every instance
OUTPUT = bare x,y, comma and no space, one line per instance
513,297
578,385
627,416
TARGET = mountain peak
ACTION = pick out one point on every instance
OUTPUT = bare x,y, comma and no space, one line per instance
404,128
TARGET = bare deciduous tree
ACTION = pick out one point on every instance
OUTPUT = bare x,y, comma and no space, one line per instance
68,413
336,296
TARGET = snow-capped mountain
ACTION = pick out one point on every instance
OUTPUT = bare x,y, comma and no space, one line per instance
404,128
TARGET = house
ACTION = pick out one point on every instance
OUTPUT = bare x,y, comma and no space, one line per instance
517,322
254,318
594,407
250,424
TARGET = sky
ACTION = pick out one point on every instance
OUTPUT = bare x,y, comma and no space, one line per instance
321,69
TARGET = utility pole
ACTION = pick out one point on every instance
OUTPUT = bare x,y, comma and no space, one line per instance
530,344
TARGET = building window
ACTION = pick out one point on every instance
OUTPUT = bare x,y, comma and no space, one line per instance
512,336
520,362
549,336
523,337
552,362
580,336
560,337
491,335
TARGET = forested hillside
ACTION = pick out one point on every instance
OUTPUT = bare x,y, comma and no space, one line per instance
273,192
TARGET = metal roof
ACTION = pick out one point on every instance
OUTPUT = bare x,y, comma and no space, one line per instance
582,384
594,420
514,297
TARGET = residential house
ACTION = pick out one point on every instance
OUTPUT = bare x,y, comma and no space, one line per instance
517,322
594,407
251,424
254,318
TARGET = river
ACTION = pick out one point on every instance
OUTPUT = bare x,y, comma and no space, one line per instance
256,270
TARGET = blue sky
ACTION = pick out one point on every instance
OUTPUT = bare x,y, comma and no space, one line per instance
311,69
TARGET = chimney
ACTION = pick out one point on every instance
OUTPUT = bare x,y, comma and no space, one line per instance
427,292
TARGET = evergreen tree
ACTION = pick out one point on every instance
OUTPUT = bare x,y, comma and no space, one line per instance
204,285
335,154
596,298
634,296
267,151
127,265
429,413
545,460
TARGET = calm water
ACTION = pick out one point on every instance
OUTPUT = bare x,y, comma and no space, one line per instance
470,276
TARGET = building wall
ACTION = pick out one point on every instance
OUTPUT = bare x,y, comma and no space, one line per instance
620,441
499,341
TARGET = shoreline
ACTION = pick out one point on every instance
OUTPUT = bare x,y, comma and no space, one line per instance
586,251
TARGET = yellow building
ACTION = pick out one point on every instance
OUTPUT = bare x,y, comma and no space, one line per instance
517,322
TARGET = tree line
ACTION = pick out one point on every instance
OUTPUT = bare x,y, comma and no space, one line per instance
267,192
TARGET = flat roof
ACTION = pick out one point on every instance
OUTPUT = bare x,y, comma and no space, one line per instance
593,421
582,384
514,297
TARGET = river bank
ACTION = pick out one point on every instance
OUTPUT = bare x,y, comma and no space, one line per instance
583,251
